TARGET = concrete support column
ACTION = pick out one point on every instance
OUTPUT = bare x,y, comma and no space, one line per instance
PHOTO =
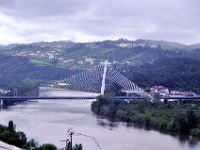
1,103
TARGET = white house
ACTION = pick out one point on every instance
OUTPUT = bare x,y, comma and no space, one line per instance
161,90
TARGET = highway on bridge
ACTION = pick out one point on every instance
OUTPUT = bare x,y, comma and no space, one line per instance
22,98
87,97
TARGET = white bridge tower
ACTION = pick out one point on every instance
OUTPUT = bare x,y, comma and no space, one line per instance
103,85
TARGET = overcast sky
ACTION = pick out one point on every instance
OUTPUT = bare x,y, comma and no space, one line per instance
23,21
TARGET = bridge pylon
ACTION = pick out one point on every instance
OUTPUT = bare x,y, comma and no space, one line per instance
103,85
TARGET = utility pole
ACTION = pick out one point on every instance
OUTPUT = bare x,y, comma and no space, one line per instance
69,144
30,146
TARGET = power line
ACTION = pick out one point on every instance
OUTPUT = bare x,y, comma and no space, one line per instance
71,133
96,142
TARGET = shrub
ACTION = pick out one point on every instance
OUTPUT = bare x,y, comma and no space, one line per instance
195,132
147,120
122,115
162,124
47,147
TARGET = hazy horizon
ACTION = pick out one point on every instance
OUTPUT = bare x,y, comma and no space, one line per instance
96,41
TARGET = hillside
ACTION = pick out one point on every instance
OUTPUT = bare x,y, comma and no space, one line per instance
174,73
145,62
16,69
67,54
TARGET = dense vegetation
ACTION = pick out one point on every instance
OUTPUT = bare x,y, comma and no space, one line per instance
8,134
169,118
148,62
174,73
23,88
73,55
19,75
16,69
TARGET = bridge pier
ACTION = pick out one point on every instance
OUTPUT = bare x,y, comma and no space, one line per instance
1,103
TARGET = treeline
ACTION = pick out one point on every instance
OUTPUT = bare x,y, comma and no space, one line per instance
8,134
19,76
110,50
120,51
174,73
24,88
169,118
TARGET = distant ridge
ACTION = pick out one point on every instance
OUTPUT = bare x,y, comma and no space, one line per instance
84,55
137,41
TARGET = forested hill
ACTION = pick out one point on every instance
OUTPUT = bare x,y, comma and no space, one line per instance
175,73
16,69
73,55
146,62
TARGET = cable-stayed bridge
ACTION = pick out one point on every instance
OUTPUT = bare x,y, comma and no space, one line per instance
89,80
98,77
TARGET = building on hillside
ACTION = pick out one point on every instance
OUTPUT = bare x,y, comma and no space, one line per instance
130,93
161,90
51,56
181,93
164,92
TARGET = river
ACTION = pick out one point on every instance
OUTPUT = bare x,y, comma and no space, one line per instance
47,121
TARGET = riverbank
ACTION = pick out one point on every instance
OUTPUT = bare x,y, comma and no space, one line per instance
167,118
47,122
9,135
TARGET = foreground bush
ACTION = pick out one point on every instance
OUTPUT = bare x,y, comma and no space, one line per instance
47,147
9,135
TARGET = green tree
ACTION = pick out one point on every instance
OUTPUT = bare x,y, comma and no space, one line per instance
162,124
11,126
32,144
192,119
47,147
181,124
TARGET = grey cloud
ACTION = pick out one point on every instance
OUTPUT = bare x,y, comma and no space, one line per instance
154,19
28,9
7,3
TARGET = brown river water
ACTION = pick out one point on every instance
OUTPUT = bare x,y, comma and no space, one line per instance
47,121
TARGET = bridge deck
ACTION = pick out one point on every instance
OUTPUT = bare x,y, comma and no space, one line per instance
87,97
44,97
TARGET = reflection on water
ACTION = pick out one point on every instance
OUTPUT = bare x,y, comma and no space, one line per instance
109,124
48,121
